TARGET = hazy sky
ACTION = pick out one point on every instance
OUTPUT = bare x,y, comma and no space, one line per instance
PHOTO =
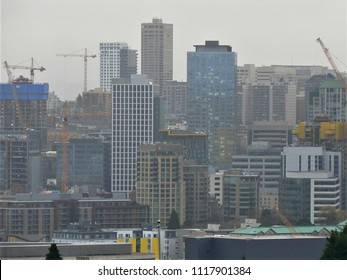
262,32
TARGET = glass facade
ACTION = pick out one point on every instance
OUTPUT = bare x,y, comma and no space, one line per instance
211,84
85,161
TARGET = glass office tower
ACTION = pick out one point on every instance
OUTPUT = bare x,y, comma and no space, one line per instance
211,84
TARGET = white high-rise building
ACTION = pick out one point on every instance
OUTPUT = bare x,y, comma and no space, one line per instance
311,182
132,125
116,61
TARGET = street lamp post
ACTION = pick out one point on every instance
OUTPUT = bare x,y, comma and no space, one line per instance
158,227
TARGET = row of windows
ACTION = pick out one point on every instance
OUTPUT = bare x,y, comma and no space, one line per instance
121,89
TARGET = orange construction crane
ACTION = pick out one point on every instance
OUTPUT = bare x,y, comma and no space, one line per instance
333,64
65,140
285,221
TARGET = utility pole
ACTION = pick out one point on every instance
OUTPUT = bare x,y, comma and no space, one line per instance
158,227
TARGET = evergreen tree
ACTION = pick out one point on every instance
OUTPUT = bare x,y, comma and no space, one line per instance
53,253
336,246
174,222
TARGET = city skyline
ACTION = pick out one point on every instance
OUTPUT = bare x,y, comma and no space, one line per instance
261,33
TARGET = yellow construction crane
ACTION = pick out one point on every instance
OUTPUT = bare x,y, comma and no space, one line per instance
65,140
85,57
333,64
284,220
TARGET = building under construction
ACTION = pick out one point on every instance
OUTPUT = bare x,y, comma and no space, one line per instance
330,135
23,133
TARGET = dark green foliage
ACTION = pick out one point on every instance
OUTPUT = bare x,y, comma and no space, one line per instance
336,246
332,216
174,222
267,218
303,222
53,253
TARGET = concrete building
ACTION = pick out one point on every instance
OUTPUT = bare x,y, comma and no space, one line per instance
174,95
250,74
194,144
332,101
269,102
211,82
262,159
132,125
330,135
305,195
88,232
278,134
21,164
246,74
240,195
86,157
144,241
117,60
160,182
54,104
97,100
197,184
216,186
311,180
41,214
157,51
312,96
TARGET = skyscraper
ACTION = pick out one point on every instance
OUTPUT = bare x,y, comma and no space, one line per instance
211,84
160,181
157,50
132,125
117,60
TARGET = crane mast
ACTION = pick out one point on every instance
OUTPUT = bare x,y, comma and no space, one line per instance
85,58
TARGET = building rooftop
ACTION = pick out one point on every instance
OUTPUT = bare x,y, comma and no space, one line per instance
332,84
283,230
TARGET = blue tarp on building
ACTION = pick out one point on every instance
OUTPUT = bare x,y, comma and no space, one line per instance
24,91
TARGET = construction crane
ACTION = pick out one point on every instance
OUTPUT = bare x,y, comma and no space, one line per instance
285,221
65,139
85,57
22,121
333,64
31,68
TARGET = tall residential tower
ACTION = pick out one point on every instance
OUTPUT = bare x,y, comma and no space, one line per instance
117,60
157,51
132,125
